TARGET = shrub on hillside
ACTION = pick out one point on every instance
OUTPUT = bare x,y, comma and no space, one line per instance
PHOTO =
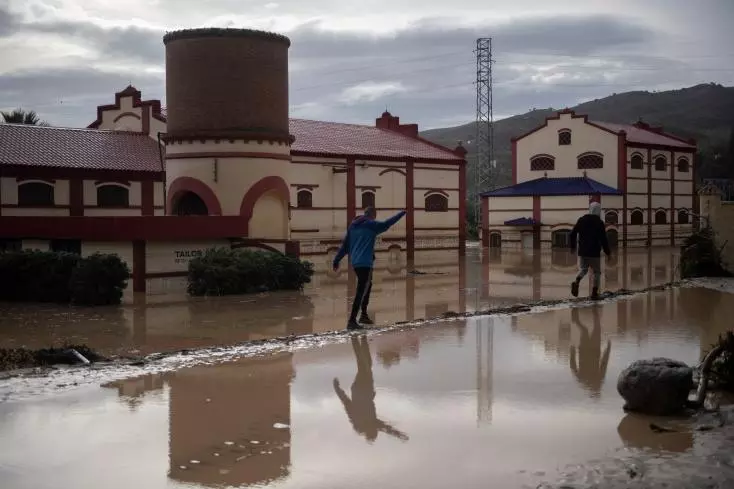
46,276
701,257
223,271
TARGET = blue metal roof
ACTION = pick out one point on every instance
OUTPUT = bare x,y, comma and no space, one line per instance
554,186
522,221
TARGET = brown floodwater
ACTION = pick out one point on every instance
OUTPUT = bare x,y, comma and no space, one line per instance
504,401
166,319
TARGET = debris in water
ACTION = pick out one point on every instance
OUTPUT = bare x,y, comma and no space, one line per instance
254,442
194,462
182,467
216,454
280,426
229,443
208,400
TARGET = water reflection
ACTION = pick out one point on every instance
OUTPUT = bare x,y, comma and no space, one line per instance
590,369
360,408
634,430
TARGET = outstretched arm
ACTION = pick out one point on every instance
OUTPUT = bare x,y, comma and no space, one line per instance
382,226
346,402
386,428
343,250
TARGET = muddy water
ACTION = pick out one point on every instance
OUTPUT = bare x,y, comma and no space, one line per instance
168,320
486,402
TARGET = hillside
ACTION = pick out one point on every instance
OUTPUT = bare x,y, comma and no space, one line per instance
704,112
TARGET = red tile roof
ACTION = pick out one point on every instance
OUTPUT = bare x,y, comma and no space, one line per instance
60,147
350,139
645,136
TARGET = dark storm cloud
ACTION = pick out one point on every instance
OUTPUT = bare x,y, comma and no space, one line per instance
9,23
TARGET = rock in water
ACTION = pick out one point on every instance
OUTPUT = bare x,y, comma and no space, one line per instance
659,386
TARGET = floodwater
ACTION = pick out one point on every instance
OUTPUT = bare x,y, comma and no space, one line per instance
504,401
167,320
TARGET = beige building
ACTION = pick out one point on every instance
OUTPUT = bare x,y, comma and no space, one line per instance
222,165
643,177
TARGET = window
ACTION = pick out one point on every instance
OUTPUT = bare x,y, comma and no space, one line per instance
683,217
590,161
561,238
495,240
113,196
304,199
35,194
661,164
637,163
661,217
368,199
637,218
611,217
683,165
564,137
542,163
437,203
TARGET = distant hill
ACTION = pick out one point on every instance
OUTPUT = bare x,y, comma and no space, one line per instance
704,112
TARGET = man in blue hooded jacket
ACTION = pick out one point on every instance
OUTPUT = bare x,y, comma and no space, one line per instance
359,244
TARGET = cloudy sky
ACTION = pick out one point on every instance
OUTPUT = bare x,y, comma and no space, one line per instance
349,59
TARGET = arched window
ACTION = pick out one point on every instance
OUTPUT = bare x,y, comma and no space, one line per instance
495,240
636,162
35,194
542,163
113,196
564,137
683,217
190,204
368,199
637,218
437,203
683,165
561,238
590,161
611,217
661,164
304,199
661,217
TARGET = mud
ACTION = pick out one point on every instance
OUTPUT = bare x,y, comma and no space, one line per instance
20,358
510,400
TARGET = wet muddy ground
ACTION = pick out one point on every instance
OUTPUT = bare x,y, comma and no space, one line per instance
503,401
438,282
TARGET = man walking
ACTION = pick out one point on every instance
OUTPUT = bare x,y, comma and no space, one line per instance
592,238
359,244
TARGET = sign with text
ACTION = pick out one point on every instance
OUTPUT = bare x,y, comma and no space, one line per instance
175,256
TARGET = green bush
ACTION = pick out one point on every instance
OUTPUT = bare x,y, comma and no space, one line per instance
46,276
223,271
700,256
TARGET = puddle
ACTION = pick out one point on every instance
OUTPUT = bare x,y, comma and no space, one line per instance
167,320
500,401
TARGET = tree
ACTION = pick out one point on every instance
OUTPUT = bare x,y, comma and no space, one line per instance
20,116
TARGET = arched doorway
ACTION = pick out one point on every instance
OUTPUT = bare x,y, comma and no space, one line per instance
613,238
190,204
269,217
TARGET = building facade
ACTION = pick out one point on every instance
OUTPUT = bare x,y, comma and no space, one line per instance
643,177
223,165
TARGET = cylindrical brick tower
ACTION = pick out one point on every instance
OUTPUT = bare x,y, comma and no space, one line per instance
227,138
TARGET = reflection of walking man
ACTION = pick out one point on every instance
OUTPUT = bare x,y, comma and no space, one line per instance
591,368
592,238
361,407
359,243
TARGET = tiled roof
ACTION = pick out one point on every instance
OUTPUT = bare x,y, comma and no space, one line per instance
351,139
644,136
58,147
522,221
554,186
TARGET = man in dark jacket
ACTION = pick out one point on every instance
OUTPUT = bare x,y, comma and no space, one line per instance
592,238
359,243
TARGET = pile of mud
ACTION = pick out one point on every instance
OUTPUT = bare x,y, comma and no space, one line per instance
17,358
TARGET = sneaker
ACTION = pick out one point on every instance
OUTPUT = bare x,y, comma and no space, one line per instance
352,324
575,288
594,293
365,319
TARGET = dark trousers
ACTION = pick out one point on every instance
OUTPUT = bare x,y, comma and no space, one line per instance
364,287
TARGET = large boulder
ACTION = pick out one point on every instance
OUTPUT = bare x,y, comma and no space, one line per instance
659,386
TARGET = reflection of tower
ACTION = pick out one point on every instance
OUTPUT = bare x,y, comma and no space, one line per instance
228,140
485,347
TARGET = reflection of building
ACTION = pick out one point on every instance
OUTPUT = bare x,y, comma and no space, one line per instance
643,177
224,147
229,423
485,363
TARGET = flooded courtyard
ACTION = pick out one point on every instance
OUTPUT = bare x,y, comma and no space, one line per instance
504,401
